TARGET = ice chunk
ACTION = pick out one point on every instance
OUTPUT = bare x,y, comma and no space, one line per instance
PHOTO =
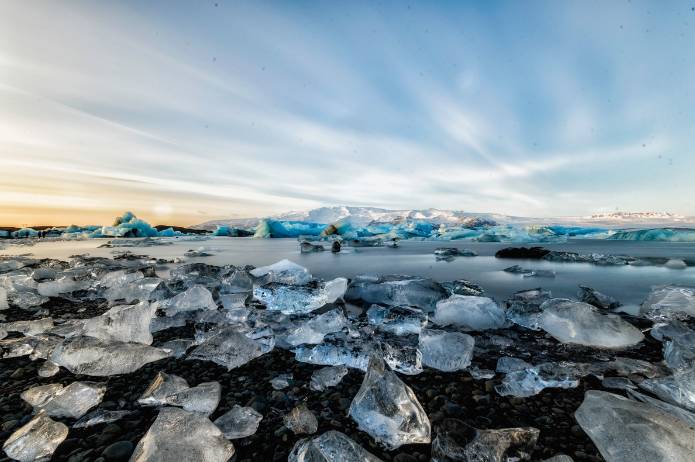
4,304
596,298
338,352
675,263
396,291
469,312
30,328
327,377
228,348
178,347
296,300
686,416
123,323
530,381
202,398
678,388
283,272
669,302
48,369
64,285
301,420
308,247
37,440
100,416
177,434
398,320
462,287
72,401
91,356
451,252
332,446
446,351
626,431
456,440
576,322
388,410
195,298
401,356
161,387
559,458
281,381
314,330
239,422
524,307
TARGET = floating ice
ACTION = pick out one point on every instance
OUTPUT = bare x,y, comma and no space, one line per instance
396,291
675,263
296,299
669,302
123,323
91,356
576,322
181,435
446,351
195,298
678,388
327,377
398,320
239,422
301,420
72,401
388,410
451,252
456,440
37,440
332,446
314,330
308,247
228,348
626,431
469,312
462,287
283,272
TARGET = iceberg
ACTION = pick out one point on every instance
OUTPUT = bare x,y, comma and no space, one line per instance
332,446
269,228
446,351
656,234
177,434
580,323
469,312
626,430
239,422
388,410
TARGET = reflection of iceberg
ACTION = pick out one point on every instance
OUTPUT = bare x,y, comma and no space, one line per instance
656,234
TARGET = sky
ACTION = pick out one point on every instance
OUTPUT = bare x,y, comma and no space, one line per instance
189,111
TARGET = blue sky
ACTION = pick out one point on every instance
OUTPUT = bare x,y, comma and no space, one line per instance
187,111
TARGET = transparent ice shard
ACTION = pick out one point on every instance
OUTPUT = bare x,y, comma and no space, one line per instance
670,302
327,377
626,430
314,330
48,369
686,416
177,434
202,398
397,320
239,422
123,323
291,299
283,272
162,387
469,312
388,410
100,416
337,352
30,328
597,299
228,348
178,347
72,401
529,381
193,299
678,388
37,440
446,351
332,446
580,323
91,356
397,291
301,420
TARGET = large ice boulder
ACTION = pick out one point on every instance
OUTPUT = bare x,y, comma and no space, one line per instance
469,312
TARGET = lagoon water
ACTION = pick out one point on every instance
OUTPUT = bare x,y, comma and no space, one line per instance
629,284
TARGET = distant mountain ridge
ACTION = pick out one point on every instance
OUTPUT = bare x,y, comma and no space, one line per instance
363,215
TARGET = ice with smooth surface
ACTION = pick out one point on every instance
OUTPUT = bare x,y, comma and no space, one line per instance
193,299
31,328
678,388
100,416
524,307
91,356
351,354
239,422
37,440
161,387
469,312
202,398
228,348
123,323
301,420
72,401
669,302
283,272
575,322
597,299
177,434
291,299
446,351
314,330
686,416
332,446
388,410
48,369
421,293
397,320
624,430
529,381
63,285
327,377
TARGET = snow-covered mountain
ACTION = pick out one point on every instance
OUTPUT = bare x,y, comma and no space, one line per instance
362,216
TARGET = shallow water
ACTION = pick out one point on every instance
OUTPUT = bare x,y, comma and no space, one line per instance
629,284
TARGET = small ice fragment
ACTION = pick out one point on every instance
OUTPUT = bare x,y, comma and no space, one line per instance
469,312
314,330
202,398
100,416
72,401
332,446
123,323
678,388
283,272
161,387
446,351
48,369
397,320
194,298
327,377
670,302
239,422
396,291
281,381
675,263
229,348
29,328
37,440
596,298
388,410
301,420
